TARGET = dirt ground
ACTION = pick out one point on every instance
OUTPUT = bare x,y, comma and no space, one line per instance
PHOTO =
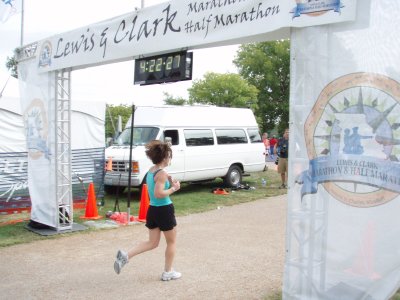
229,253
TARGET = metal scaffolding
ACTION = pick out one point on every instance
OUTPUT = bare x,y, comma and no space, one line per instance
62,102
306,243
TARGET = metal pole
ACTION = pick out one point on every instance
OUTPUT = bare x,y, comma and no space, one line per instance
130,162
142,4
22,22
111,119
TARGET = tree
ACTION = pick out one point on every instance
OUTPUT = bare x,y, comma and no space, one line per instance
11,65
228,89
266,65
170,100
112,113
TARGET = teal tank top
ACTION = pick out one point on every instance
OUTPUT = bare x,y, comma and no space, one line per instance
151,185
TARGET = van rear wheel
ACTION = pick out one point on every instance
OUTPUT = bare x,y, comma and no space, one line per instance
234,176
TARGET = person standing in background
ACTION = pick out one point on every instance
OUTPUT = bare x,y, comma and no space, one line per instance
272,144
282,150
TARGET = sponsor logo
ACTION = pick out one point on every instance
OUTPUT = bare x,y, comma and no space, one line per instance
315,7
352,136
45,55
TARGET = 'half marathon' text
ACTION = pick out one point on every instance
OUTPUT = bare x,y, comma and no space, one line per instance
216,20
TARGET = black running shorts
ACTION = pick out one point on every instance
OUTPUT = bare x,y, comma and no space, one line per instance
162,217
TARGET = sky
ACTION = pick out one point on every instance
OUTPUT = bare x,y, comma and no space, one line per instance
113,83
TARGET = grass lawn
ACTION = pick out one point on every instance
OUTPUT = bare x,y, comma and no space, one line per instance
192,198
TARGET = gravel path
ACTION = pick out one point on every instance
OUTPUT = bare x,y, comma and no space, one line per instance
234,252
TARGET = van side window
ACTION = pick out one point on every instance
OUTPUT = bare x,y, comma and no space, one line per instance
231,136
172,135
254,135
198,137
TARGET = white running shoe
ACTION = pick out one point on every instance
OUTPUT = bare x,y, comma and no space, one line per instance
120,261
166,276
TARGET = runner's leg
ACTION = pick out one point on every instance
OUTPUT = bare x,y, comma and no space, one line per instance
154,240
170,238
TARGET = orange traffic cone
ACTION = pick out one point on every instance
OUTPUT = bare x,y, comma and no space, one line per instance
144,204
109,164
364,262
91,205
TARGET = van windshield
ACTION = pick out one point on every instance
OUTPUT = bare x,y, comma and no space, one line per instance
141,136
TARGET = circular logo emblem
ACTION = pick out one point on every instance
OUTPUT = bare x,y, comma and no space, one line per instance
353,131
35,119
45,55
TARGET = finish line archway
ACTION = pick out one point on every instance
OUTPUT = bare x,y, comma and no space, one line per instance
173,26
320,65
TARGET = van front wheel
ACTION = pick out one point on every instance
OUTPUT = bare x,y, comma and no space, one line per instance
234,177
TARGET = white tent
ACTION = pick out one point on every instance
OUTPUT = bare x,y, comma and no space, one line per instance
12,135
87,144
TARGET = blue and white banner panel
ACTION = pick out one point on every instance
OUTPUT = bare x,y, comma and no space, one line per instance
344,197
37,91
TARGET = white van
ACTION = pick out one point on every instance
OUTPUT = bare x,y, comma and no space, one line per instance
207,142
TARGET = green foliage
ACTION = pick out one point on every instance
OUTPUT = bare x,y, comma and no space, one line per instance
12,66
112,114
266,65
170,100
229,90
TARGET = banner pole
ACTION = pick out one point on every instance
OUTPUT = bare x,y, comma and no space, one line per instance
130,163
22,22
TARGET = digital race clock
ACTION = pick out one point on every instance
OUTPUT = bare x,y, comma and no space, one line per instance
164,68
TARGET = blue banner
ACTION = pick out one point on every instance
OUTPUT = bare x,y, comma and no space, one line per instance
316,6
379,173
